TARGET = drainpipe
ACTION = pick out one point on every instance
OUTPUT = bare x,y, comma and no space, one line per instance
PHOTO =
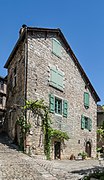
26,59
25,76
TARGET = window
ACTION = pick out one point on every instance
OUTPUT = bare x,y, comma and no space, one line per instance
1,100
14,77
1,85
86,123
56,78
58,106
56,47
86,100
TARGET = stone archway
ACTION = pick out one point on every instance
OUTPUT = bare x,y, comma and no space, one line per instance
88,148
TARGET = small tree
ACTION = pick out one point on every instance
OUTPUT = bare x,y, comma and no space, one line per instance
100,131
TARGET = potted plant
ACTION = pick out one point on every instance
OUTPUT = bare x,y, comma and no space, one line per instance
84,155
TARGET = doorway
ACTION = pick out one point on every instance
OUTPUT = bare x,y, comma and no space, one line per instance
57,150
88,148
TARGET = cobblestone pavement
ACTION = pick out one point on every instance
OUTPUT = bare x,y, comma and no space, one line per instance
15,165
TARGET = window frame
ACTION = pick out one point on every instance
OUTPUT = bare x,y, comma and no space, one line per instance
63,105
58,105
86,123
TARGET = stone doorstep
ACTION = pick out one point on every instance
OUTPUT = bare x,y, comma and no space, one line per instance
78,158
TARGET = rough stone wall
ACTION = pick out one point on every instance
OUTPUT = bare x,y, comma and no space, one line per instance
3,105
3,93
40,56
15,95
100,120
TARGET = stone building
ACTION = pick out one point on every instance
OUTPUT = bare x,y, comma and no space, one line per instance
2,101
100,122
100,115
43,65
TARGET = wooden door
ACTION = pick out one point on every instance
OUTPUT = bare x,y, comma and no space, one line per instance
88,149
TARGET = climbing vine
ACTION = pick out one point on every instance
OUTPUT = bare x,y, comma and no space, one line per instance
100,132
39,108
24,127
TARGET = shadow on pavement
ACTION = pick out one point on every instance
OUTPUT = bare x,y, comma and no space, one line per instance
5,140
85,172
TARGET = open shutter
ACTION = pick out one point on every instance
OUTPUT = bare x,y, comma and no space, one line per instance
60,80
86,100
82,122
56,47
51,103
65,108
89,124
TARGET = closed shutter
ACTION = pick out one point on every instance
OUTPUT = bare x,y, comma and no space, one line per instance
82,122
86,100
56,78
60,80
56,47
51,103
65,108
53,77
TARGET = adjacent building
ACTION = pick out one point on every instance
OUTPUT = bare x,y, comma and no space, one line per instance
2,101
100,123
42,65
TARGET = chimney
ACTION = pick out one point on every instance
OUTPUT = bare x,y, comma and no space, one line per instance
22,29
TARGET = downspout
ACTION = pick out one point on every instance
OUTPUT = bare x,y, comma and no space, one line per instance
26,63
25,77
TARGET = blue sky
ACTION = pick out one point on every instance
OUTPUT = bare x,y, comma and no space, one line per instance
81,21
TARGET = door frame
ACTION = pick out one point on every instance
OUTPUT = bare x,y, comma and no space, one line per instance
57,152
88,148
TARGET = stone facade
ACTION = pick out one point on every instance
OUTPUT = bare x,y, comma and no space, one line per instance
100,121
33,58
100,115
2,101
15,90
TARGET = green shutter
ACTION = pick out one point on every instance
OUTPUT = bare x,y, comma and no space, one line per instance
53,76
56,78
89,124
56,47
82,122
60,80
86,100
51,103
65,108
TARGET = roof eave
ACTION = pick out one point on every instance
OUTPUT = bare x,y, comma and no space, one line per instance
14,49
